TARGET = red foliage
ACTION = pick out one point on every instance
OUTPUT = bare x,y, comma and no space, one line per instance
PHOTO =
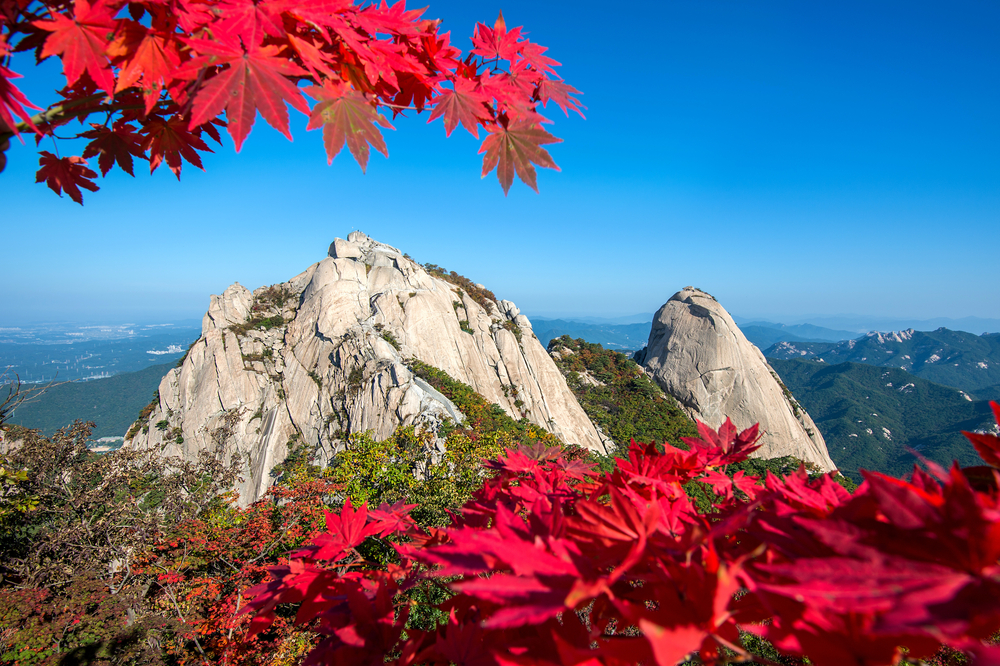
553,563
167,69
203,571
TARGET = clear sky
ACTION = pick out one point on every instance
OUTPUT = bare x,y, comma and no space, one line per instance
792,158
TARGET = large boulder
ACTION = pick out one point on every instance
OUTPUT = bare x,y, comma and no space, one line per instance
698,354
325,354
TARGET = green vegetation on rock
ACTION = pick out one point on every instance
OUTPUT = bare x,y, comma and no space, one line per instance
477,293
618,396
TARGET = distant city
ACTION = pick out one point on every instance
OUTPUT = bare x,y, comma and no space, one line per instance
72,352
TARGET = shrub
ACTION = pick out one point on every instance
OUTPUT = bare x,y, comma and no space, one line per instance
551,562
142,423
629,405
484,297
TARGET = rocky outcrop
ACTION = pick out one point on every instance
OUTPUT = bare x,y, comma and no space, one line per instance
698,354
325,354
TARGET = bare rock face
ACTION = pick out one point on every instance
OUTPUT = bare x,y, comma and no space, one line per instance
325,354
698,354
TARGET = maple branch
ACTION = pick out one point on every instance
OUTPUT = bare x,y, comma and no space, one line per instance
401,107
51,114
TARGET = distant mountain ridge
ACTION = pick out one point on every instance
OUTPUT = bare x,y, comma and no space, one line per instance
801,331
870,415
612,336
954,358
111,403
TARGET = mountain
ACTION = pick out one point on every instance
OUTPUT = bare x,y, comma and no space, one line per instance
953,358
869,415
612,336
860,323
110,403
339,349
799,331
763,337
698,355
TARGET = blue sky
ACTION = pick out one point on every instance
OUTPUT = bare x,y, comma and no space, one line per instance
794,159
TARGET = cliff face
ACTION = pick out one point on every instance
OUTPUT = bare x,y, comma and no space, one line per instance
324,354
698,354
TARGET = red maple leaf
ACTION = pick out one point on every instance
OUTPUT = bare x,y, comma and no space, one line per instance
560,92
312,57
254,81
12,100
66,173
170,140
496,42
987,446
81,42
346,116
394,20
531,54
514,149
148,56
392,519
464,104
725,446
251,20
117,143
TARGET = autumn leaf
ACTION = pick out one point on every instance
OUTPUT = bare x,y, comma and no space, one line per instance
250,20
514,149
312,57
496,42
170,140
987,446
394,20
560,92
254,81
531,54
118,143
346,116
147,56
66,173
81,41
464,104
12,100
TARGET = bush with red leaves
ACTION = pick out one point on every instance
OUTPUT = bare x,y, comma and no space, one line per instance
553,563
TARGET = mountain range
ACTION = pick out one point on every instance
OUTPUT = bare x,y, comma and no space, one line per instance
340,349
871,416
954,358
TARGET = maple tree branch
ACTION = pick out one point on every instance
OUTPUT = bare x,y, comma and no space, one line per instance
55,112
401,107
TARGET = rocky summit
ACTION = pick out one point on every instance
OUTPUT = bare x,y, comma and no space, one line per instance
698,354
326,354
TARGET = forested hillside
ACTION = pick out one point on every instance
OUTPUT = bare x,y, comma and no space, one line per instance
112,404
870,415
953,358
618,396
